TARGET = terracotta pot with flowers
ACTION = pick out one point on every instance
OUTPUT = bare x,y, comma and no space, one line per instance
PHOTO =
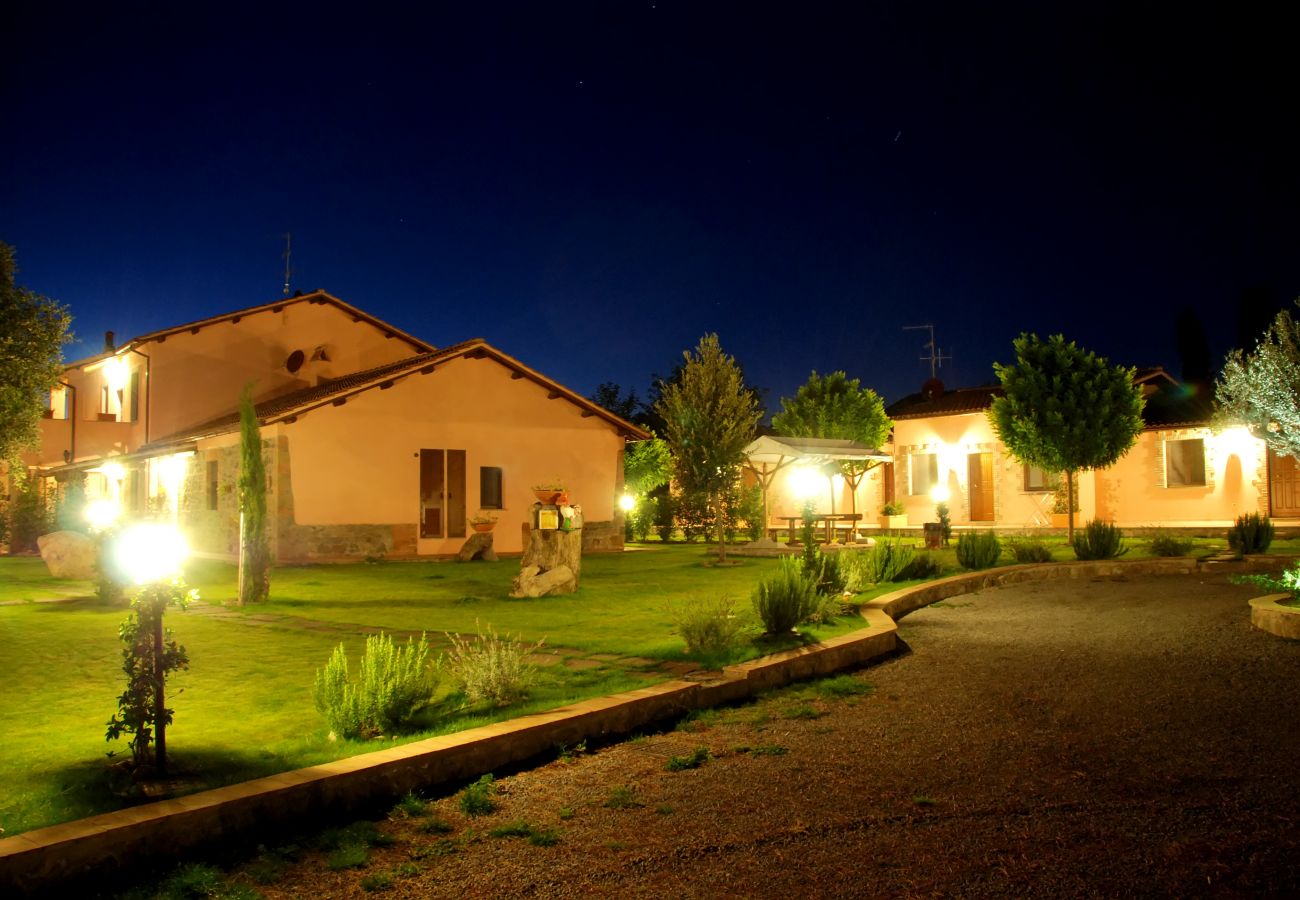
483,523
551,493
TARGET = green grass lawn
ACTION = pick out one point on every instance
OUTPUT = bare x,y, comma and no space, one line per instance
244,708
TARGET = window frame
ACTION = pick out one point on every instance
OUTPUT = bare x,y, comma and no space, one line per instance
1183,458
932,473
487,474
1050,481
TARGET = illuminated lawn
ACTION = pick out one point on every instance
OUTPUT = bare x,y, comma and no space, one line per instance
244,708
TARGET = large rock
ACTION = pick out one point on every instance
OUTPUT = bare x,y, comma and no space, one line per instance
477,546
69,554
532,582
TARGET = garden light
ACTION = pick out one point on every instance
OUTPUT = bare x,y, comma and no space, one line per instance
627,503
940,493
806,482
101,514
151,551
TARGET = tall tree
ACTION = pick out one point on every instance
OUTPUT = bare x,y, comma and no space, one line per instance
610,395
33,330
709,416
1262,388
646,466
254,541
1065,409
835,406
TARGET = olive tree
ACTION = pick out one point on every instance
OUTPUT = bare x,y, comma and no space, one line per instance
1261,389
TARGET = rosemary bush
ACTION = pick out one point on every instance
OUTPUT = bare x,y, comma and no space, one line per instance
490,667
1029,550
978,549
1251,533
709,625
786,598
1099,540
1171,545
392,686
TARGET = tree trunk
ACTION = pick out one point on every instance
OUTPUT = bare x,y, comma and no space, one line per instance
241,581
721,520
1069,505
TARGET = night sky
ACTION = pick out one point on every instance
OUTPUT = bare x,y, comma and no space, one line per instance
592,187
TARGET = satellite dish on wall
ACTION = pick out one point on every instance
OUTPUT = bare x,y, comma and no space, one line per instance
295,361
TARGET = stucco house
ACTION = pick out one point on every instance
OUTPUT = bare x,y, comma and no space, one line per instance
376,442
1181,472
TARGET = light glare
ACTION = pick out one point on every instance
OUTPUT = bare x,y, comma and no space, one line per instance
151,551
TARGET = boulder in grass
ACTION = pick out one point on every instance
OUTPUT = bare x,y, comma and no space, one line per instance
69,554
479,546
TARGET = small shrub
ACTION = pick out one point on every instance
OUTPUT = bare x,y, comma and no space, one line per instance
886,561
697,758
488,667
349,856
892,508
921,567
379,881
434,826
410,806
942,513
1251,533
828,608
978,549
476,799
828,574
709,625
1099,540
1288,583
1030,551
392,686
1171,545
785,599
623,797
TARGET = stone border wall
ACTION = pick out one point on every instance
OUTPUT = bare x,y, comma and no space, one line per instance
1268,615
45,857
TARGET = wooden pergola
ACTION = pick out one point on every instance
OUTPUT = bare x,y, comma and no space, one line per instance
768,455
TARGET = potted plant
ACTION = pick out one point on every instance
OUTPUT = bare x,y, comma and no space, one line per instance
482,523
892,515
551,493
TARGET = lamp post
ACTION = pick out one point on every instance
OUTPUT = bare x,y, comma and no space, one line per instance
151,554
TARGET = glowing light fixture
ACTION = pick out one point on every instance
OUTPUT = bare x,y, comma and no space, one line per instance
1235,441
111,470
627,503
151,551
806,482
171,472
115,373
101,514
940,493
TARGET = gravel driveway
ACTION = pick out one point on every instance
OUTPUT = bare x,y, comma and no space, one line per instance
1100,738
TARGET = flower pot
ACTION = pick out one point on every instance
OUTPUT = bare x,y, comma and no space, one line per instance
547,496
893,521
483,527
1060,520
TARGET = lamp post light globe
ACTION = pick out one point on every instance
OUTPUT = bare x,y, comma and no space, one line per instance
151,551
627,503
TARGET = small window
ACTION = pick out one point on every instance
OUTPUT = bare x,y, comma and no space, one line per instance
1185,463
1040,480
212,484
924,471
489,487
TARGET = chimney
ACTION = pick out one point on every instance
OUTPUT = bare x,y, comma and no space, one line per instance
932,388
109,346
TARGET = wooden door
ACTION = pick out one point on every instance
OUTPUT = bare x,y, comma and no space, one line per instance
1283,486
979,470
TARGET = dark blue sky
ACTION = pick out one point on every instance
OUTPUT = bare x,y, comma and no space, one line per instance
591,187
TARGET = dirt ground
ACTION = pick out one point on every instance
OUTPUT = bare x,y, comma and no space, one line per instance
1101,738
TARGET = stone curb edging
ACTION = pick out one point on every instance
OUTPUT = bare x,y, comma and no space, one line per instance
46,856
1268,615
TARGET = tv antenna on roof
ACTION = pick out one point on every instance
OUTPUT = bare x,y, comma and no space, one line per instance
288,251
936,358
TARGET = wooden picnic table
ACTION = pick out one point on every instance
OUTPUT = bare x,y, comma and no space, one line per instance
826,519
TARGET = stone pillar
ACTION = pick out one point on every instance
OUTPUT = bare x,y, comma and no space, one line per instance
552,563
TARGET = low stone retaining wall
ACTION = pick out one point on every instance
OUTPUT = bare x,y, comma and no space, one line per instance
1268,615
